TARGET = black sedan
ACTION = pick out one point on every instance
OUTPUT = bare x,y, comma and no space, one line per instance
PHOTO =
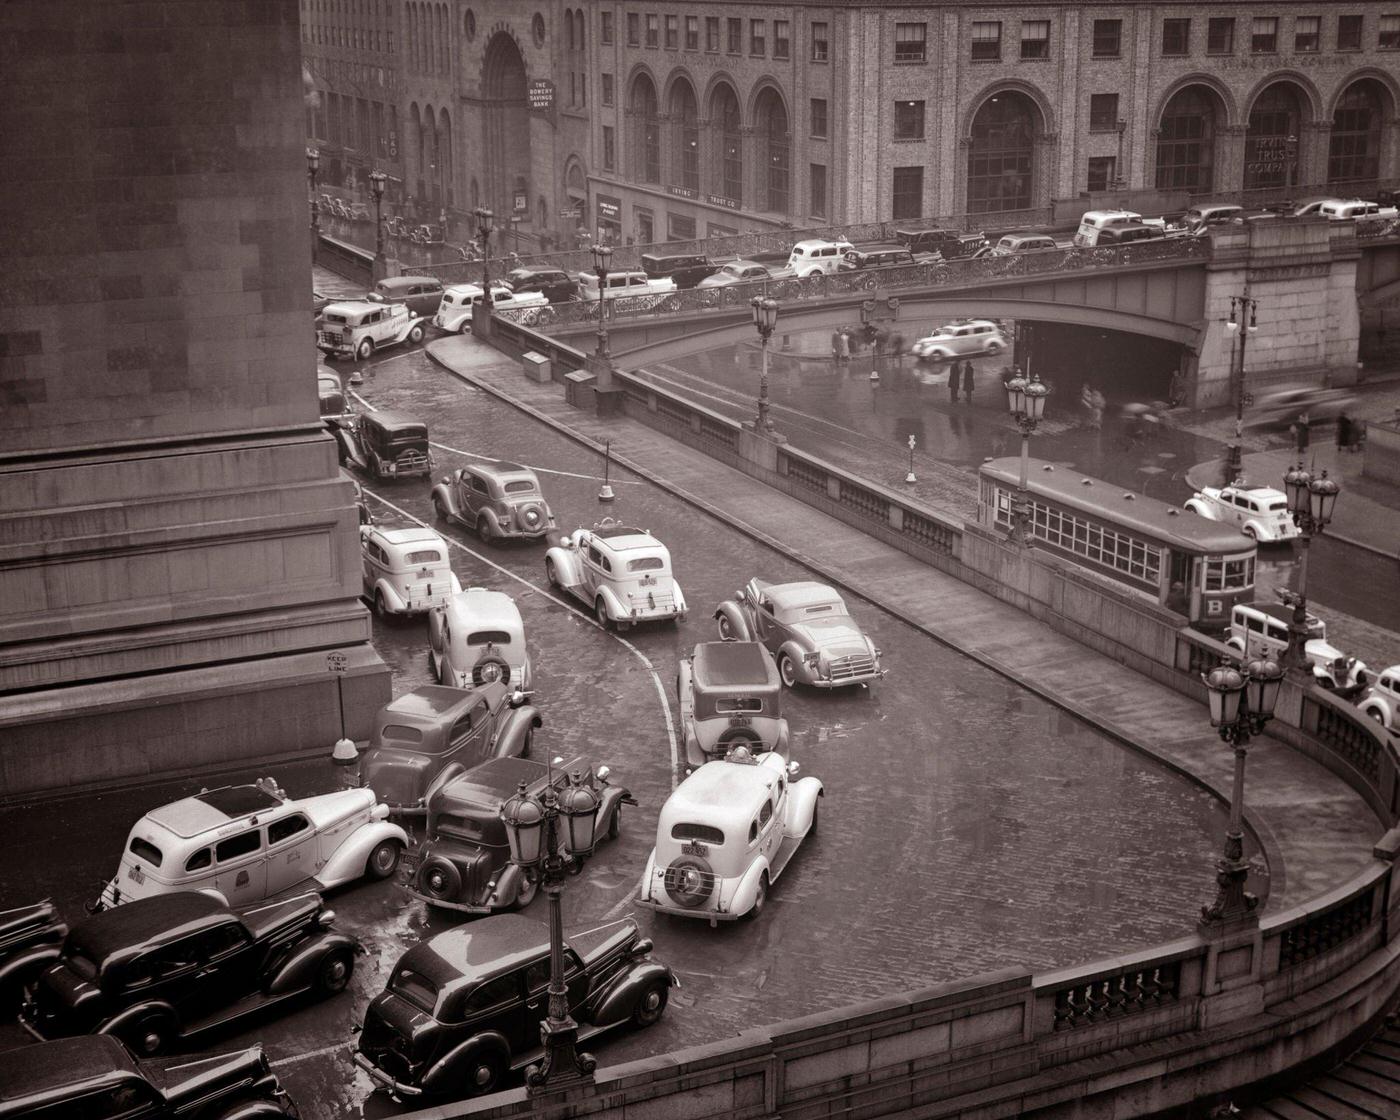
30,937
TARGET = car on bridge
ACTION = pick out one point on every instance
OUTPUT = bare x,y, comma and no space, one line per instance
876,256
686,269
1260,512
729,694
357,328
1261,630
476,637
1381,701
622,573
817,257
553,283
498,499
422,294
950,244
1013,243
738,272
455,313
961,340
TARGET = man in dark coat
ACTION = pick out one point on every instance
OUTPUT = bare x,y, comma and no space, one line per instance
967,381
954,378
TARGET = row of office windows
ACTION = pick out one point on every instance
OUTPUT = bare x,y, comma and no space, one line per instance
729,34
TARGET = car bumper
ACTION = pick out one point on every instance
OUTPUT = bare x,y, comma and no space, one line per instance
460,907
379,1077
843,682
686,912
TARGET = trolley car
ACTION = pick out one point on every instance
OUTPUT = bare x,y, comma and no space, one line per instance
1196,567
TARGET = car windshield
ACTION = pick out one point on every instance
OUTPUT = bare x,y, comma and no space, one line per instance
488,637
425,556
520,486
415,988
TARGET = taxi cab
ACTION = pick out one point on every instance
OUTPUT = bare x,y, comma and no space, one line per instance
406,571
622,573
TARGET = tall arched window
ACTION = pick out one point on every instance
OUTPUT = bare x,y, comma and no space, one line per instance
646,131
776,151
1271,144
1354,152
731,147
686,133
1186,141
1001,156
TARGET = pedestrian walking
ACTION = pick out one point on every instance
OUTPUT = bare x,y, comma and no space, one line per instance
1344,436
967,381
836,346
954,381
1302,432
842,341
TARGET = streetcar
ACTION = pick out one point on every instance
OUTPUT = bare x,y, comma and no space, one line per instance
1196,567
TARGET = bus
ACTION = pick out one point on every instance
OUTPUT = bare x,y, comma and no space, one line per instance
1196,567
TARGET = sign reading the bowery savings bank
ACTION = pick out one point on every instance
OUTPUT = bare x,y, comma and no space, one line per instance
541,94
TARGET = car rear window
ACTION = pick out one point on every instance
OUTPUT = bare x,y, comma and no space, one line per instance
739,704
425,556
464,828
519,486
415,988
1278,506
689,831
402,733
646,564
483,637
146,850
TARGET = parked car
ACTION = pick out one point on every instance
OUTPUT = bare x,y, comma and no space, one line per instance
686,269
626,283
497,499
405,571
623,573
422,294
163,970
30,937
386,444
553,283
959,340
1261,512
729,693
1128,232
816,257
462,1009
330,393
357,328
465,862
876,256
95,1077
455,313
950,244
425,738
1094,222
1353,209
242,844
807,629
1200,217
477,636
736,272
1261,630
726,834
1381,701
1013,243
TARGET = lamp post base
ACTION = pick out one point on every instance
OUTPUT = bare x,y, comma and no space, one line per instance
1234,464
564,1066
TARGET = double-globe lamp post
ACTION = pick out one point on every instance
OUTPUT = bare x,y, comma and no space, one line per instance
485,223
765,318
602,258
1025,399
1239,307
546,835
313,165
1310,501
1241,703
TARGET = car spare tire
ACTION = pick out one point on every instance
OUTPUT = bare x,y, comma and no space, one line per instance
689,881
732,737
489,670
531,517
437,878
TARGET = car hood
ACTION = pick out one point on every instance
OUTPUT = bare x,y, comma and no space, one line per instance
834,635
329,809
397,777
189,1080
1322,650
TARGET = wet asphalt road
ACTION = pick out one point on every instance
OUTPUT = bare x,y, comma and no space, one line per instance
968,825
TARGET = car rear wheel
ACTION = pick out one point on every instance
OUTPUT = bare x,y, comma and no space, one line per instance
485,1073
439,509
384,860
600,612
615,824
150,1035
787,670
652,1005
334,974
993,347
489,670
381,606
550,573
364,349
726,629
1375,714
760,900
439,879
483,529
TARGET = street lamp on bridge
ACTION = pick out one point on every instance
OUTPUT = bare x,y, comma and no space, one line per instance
1025,399
765,318
602,257
485,223
1239,307
313,165
1310,501
377,180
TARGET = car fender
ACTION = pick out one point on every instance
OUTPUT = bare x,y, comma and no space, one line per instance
435,631
453,323
616,1004
442,494
348,447
348,862
782,746
802,804
507,887
514,731
681,607
565,560
448,1074
1201,506
137,1011
494,519
391,596
742,900
402,332
649,880
1366,707
29,963
805,673
298,971
611,603
611,804
737,618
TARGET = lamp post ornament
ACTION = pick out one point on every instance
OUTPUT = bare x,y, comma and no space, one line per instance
1311,500
1239,305
910,476
1025,400
602,258
485,222
765,318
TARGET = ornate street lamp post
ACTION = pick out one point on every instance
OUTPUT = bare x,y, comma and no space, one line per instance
485,223
545,849
515,233
602,257
1310,501
1239,305
1025,399
313,165
765,318
1241,703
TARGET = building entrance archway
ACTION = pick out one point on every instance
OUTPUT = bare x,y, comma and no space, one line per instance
505,123
1271,144
1001,161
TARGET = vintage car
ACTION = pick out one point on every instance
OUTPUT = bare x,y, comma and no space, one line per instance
95,1077
422,294
807,628
330,392
1260,512
426,737
405,571
552,283
165,969
737,272
1282,405
1261,630
465,863
455,312
241,844
357,328
730,693
726,834
30,937
686,269
624,283
386,444
1027,242
958,340
477,637
497,499
623,573
463,1009
1382,700
817,256
950,244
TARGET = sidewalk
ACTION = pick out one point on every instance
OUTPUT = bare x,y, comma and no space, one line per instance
1316,832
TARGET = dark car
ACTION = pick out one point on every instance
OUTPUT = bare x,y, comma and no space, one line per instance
162,969
1127,232
686,269
949,243
386,444
496,498
422,294
94,1077
464,1008
465,863
554,284
428,736
30,937
876,256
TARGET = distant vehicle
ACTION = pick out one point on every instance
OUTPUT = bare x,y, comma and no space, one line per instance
553,283
386,444
330,393
817,257
686,269
425,738
477,637
876,256
1205,214
726,834
356,329
1013,243
948,243
422,294
498,499
623,573
462,1009
624,283
1353,209
30,937
405,571
736,272
1260,512
1309,207
1382,700
1261,630
729,694
1128,232
1280,407
163,970
458,301
1094,222
959,340
95,1077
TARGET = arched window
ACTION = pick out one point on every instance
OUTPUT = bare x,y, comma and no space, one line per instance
686,136
1354,152
569,30
1001,156
776,150
731,147
1271,145
1186,141
646,131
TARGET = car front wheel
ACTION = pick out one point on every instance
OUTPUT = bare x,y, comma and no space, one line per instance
415,333
485,1074
760,900
334,974
150,1035
384,860
787,670
364,349
652,1005
600,612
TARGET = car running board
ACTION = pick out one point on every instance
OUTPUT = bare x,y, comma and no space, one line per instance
786,850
